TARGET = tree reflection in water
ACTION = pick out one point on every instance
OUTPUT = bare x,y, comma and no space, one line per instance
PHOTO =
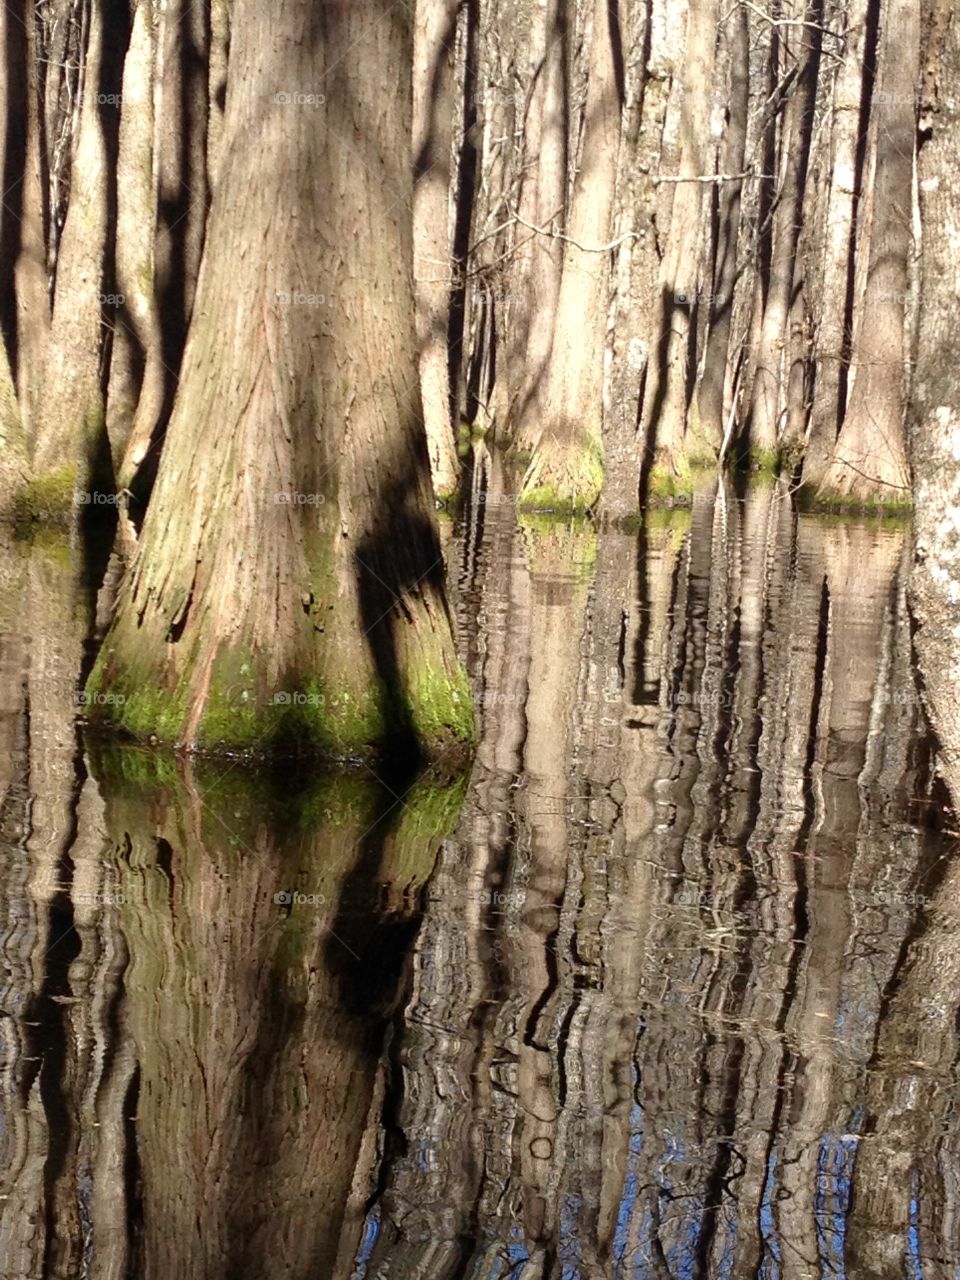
668,987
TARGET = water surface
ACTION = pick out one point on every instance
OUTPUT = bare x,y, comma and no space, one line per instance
667,987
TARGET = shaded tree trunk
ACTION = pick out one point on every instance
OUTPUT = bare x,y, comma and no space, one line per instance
181,110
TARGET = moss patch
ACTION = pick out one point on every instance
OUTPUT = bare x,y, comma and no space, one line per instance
51,496
240,717
898,506
567,484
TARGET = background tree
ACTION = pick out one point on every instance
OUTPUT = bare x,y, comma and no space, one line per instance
433,118
935,437
869,458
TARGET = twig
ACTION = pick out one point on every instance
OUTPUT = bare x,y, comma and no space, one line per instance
585,248
720,177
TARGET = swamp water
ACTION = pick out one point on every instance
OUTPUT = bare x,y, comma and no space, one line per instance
667,987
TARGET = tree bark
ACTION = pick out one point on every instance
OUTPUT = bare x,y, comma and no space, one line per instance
869,460
667,391
531,302
181,111
135,320
835,309
288,586
935,437
70,448
433,106
769,384
566,469
710,405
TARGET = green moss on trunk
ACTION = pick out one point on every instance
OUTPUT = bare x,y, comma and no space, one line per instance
49,497
563,479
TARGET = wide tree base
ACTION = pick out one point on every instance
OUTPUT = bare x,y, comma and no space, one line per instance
429,715
819,498
845,488
563,477
676,476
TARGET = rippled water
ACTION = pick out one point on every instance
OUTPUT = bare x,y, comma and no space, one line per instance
668,987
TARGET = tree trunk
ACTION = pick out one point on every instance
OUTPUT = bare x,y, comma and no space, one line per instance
531,303
667,390
565,472
869,459
769,378
433,105
70,449
709,406
288,587
634,270
935,438
835,306
26,236
181,110
135,316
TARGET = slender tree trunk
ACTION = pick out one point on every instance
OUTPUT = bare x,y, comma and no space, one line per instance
433,105
134,320
935,439
634,267
30,273
769,378
566,469
835,308
181,111
709,423
869,459
667,392
534,289
219,54
69,441
288,586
